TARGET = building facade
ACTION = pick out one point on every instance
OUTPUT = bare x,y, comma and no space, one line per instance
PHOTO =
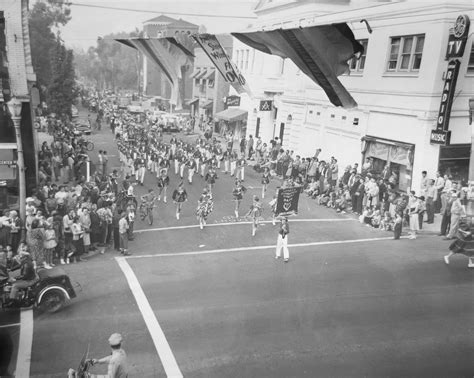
17,79
209,87
398,84
155,83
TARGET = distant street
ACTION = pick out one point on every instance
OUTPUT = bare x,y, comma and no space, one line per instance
229,309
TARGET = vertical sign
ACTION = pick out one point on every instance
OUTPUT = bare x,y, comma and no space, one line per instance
442,122
458,38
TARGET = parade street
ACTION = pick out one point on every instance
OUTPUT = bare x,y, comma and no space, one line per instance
216,303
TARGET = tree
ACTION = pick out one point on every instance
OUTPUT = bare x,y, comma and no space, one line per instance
44,16
62,88
110,65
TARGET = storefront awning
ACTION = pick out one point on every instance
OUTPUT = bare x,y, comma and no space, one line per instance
232,114
201,73
195,73
193,101
210,74
206,104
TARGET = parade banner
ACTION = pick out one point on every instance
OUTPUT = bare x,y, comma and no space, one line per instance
321,52
287,201
222,62
170,55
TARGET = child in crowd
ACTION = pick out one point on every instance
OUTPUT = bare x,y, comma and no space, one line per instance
397,227
376,219
366,217
386,224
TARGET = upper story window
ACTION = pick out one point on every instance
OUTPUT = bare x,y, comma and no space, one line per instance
470,64
405,53
358,64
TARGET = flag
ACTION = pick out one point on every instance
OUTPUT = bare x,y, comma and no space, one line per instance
321,52
171,55
228,69
287,201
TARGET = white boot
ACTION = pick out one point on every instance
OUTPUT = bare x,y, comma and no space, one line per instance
177,216
470,264
237,214
446,259
62,262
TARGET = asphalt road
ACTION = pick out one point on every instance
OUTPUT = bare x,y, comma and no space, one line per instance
229,309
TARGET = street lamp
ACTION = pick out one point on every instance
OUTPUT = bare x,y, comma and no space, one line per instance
14,108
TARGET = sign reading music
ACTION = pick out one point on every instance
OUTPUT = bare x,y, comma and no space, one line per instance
440,137
442,122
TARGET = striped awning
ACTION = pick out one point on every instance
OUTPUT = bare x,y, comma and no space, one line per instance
210,75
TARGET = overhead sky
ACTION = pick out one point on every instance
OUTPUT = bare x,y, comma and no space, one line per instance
88,23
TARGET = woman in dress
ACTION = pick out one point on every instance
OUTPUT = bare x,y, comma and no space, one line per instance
179,196
265,180
238,193
77,239
413,209
255,213
204,208
36,245
50,242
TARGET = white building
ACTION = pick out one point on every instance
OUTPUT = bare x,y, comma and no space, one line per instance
397,83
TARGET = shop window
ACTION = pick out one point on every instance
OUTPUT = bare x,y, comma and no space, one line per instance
470,64
358,64
405,53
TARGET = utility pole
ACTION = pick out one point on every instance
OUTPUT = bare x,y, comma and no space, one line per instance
14,107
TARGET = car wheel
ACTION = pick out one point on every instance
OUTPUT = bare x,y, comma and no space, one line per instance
52,301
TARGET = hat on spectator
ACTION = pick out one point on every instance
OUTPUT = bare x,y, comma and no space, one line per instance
30,199
115,339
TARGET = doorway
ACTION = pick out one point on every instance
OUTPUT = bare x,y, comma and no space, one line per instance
282,132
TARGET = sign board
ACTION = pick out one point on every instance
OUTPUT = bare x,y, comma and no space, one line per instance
7,162
266,105
228,69
458,38
442,122
287,201
232,101
440,137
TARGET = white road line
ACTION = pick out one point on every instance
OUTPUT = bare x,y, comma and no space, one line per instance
10,325
238,223
244,249
159,339
23,360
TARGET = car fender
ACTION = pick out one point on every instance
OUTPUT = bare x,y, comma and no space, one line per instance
49,288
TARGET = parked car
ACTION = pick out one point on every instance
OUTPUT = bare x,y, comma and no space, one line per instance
82,126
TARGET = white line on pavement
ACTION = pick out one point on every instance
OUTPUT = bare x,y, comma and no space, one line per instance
23,360
244,249
159,339
238,223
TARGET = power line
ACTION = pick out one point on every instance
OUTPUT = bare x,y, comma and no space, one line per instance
158,12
